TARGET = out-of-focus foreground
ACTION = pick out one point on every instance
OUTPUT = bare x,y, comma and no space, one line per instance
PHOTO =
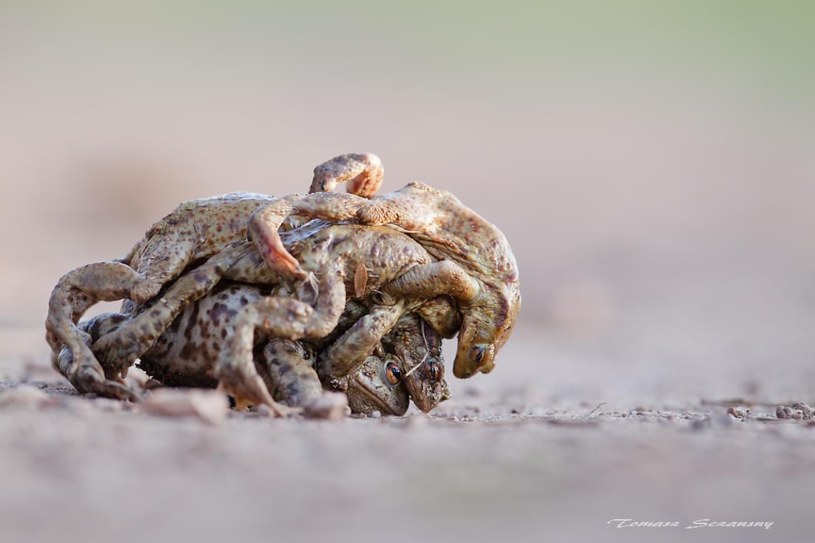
651,164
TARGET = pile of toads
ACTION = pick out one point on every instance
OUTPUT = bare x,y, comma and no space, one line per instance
276,300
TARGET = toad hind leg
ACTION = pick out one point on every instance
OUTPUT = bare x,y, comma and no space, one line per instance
362,172
263,228
120,348
75,292
279,317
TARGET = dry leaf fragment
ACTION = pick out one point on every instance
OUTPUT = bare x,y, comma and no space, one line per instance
360,280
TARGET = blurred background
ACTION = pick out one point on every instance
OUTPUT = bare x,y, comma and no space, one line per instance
652,164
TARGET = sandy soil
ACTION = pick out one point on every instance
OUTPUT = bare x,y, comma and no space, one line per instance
520,455
652,168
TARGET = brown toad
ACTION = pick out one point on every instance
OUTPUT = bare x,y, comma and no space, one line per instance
490,305
336,250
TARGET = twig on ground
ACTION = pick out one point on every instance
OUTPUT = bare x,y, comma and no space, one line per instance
599,405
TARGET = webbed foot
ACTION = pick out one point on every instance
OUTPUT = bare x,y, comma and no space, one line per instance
88,377
362,172
90,381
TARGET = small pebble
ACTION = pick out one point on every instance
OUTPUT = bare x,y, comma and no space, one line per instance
798,411
806,412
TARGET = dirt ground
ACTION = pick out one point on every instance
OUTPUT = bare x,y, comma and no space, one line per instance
528,453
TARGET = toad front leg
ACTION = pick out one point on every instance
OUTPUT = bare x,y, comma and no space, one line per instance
351,349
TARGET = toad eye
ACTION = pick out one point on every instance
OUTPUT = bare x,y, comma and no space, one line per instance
393,373
434,371
479,354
